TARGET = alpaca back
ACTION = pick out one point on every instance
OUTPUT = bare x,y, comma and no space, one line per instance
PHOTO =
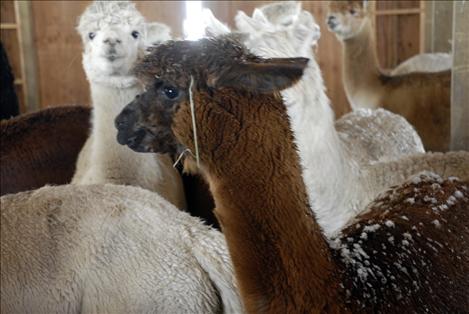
109,249
372,136
425,62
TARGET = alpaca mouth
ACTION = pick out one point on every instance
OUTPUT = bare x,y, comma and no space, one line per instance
133,140
113,57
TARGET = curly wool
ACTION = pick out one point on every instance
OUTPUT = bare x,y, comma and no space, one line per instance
105,13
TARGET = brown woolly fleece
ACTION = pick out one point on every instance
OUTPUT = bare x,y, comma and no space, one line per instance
41,147
282,261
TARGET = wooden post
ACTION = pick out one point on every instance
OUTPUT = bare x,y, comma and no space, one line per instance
438,26
27,55
460,77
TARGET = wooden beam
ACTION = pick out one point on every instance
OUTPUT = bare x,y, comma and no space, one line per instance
460,78
27,55
423,11
8,26
399,11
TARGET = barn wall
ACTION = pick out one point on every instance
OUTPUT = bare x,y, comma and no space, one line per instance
58,46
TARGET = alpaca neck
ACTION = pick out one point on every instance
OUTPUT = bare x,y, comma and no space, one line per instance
361,69
108,101
327,171
281,258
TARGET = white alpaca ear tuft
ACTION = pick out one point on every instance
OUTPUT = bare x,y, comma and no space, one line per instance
306,30
156,33
259,16
281,12
213,26
246,24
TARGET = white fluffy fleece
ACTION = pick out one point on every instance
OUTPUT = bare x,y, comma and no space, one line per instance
110,249
114,36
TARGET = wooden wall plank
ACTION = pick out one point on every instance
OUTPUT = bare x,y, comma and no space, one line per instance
438,26
402,4
58,45
27,55
460,78
7,11
12,48
397,38
172,13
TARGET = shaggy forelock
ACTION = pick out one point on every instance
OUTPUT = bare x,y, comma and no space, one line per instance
278,12
101,13
178,60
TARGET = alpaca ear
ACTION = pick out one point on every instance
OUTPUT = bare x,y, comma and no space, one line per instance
259,16
156,33
213,27
245,24
306,31
268,76
281,13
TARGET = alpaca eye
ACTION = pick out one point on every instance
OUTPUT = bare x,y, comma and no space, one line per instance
353,12
171,92
135,34
91,35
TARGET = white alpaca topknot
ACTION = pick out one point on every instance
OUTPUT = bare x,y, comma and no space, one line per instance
101,13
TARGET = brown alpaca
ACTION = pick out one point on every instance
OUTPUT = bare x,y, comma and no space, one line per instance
282,261
42,147
422,98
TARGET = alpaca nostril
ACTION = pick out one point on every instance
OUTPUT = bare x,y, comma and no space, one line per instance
331,21
120,122
120,125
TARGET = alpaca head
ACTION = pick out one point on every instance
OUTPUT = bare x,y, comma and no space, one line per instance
226,81
347,18
289,32
280,13
114,36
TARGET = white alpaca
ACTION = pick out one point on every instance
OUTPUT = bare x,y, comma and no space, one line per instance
115,35
336,165
425,62
110,249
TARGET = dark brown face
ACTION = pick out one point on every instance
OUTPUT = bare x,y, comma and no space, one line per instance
145,124
225,77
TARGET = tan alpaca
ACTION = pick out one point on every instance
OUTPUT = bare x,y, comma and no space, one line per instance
422,98
407,254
